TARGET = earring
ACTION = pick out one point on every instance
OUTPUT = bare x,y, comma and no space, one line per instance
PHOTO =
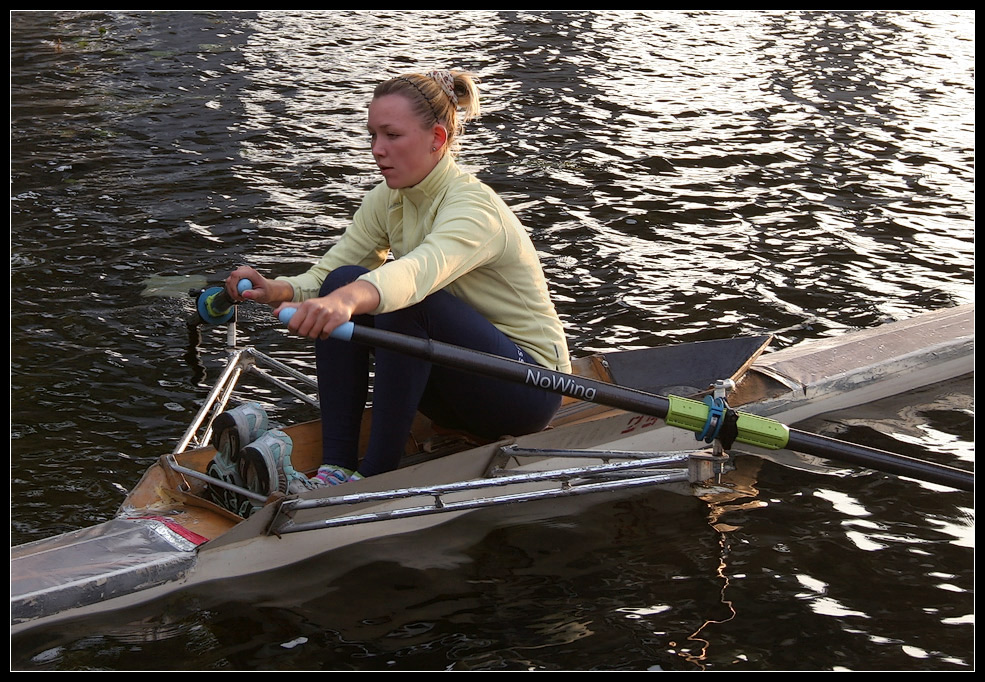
434,149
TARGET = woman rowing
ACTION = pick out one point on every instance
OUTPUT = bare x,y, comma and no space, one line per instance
431,252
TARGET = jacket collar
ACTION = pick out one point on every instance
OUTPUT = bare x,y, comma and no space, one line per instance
433,183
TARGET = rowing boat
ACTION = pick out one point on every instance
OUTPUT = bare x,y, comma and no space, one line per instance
621,428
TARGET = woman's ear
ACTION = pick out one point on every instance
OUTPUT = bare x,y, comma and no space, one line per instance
440,137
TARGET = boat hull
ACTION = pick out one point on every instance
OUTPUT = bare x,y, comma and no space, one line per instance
182,541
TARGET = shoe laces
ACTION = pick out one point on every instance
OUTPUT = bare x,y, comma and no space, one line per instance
332,475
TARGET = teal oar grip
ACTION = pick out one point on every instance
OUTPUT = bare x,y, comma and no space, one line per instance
343,332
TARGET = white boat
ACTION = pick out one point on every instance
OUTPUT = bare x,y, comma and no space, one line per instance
617,430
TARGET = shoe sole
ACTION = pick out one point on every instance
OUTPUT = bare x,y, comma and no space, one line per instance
262,469
231,432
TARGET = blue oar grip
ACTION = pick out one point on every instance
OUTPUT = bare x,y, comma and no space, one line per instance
286,314
343,332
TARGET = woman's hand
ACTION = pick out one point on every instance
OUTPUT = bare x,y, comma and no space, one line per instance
269,291
317,318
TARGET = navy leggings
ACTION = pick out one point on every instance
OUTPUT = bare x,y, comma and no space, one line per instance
402,385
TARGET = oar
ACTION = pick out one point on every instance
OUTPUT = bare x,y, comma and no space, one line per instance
681,412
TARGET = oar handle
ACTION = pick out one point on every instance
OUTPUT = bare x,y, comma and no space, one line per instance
343,332
286,314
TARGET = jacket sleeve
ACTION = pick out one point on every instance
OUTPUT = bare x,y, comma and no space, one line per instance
364,243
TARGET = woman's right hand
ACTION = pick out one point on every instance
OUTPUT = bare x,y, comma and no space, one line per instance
317,318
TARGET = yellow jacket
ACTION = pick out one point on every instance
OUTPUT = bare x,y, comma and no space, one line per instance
450,232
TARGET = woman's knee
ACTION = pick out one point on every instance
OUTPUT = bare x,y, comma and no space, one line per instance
440,316
403,321
341,276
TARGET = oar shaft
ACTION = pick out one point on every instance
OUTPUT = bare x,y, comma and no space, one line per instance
872,458
762,431
476,362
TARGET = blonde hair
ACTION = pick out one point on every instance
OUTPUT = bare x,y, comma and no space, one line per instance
450,98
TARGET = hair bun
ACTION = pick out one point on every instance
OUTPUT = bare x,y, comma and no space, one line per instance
447,83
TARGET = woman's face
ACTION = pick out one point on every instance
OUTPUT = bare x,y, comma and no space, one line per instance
402,148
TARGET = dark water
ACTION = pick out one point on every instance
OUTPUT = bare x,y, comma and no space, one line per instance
685,176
